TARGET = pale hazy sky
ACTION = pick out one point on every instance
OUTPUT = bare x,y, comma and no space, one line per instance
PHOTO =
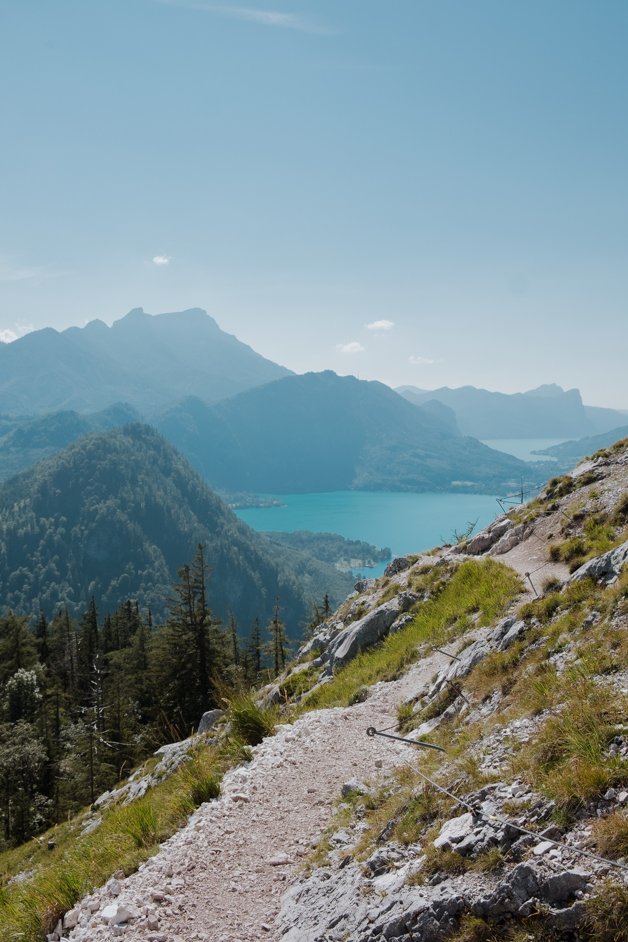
432,192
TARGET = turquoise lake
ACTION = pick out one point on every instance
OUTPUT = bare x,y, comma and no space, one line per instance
523,447
407,523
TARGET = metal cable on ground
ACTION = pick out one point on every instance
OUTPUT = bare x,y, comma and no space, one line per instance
371,731
477,813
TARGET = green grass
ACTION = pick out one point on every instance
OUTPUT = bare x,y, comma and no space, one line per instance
598,534
127,836
299,683
250,723
482,588
607,914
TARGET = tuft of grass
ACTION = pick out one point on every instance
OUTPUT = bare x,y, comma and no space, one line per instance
620,514
569,756
599,534
475,929
250,723
483,588
611,835
140,821
607,914
299,683
419,812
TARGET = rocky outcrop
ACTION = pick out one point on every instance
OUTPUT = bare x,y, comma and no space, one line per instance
347,904
511,538
605,568
368,630
485,539
507,631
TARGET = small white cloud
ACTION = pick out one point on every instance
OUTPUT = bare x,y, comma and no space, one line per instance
161,260
421,361
251,15
380,325
8,335
353,347
11,272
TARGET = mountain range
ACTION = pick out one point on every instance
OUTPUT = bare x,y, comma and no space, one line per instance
146,361
323,432
548,411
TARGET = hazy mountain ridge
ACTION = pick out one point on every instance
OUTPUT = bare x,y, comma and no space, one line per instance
115,515
146,361
570,451
321,432
545,412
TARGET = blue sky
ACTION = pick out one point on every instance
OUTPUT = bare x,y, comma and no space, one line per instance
453,172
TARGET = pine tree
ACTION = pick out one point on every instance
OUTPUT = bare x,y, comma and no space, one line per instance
234,647
41,634
278,643
191,645
255,650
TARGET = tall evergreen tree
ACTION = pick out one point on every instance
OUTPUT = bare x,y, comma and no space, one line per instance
278,641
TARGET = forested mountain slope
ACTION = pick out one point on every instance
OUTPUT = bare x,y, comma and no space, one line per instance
115,515
323,432
26,440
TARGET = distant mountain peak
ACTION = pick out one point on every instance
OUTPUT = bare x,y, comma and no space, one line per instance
136,313
547,391
148,360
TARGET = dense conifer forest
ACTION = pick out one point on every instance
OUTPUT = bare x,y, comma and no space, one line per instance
83,700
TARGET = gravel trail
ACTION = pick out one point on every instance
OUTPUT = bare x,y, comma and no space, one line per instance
221,878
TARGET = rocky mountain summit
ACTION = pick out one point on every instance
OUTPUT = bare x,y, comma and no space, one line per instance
451,761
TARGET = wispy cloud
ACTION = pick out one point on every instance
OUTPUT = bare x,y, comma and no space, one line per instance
12,272
421,361
353,347
161,260
253,15
7,335
380,325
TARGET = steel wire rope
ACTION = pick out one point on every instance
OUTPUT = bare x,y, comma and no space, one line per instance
481,815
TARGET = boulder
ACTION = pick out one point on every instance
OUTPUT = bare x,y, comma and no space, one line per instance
368,630
399,564
454,831
518,888
116,913
605,568
353,787
506,632
510,539
209,719
485,539
561,887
